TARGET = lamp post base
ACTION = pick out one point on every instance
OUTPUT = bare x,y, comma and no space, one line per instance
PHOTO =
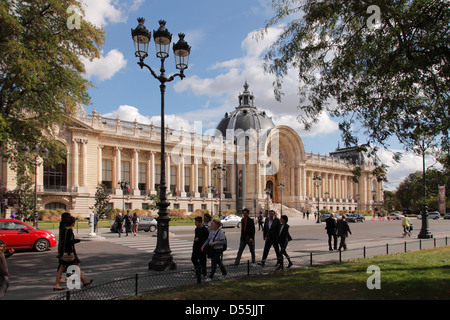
162,262
424,234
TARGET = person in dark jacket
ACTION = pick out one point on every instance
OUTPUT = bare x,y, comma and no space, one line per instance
247,236
343,230
271,233
198,257
283,240
331,226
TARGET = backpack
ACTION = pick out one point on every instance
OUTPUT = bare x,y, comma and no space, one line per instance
225,245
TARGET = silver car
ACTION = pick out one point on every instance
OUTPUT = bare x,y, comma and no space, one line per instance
230,220
431,215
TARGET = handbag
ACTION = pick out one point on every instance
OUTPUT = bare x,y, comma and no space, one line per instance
67,257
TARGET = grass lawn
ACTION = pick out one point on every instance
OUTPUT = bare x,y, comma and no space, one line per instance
408,276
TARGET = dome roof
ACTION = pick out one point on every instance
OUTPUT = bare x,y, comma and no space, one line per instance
246,116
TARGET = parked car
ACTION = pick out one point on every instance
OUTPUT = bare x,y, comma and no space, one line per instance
325,216
19,235
231,220
145,224
431,215
395,216
447,215
355,218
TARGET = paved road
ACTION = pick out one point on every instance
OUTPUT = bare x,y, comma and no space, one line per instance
33,273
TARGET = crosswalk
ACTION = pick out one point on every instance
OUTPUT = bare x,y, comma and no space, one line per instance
181,248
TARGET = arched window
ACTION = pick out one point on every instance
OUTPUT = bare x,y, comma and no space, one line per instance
55,206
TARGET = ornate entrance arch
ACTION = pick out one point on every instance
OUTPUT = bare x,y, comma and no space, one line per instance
286,152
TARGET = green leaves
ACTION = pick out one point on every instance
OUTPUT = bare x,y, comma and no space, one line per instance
40,71
389,79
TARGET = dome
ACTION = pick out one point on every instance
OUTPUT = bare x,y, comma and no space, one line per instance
246,116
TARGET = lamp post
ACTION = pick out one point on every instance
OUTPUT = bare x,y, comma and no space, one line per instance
162,258
281,186
36,163
424,230
317,182
220,172
124,185
211,188
267,190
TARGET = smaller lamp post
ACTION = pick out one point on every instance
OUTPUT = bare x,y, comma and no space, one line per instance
220,172
36,163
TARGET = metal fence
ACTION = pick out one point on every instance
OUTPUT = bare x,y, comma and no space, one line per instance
148,282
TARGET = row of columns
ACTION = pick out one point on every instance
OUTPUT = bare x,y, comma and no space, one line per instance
180,182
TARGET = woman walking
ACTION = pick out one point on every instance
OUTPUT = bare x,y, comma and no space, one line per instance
283,240
68,248
215,242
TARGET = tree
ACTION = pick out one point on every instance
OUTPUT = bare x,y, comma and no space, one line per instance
381,65
101,206
41,75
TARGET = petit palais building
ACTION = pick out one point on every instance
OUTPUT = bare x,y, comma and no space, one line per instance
247,162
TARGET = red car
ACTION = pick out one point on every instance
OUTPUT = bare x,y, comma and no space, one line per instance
19,235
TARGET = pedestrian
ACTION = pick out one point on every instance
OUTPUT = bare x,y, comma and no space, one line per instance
307,215
215,241
61,232
135,220
247,236
119,223
198,257
207,218
343,230
68,244
95,222
271,233
331,226
283,240
127,219
4,273
260,221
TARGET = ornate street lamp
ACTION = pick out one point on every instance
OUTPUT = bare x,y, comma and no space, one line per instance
281,186
162,258
35,154
317,183
220,172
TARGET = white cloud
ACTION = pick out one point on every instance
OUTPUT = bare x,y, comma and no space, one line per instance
398,171
99,12
130,113
105,67
102,12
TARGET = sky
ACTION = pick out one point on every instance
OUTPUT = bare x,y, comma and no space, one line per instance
224,54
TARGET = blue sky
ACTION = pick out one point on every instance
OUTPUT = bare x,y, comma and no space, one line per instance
224,55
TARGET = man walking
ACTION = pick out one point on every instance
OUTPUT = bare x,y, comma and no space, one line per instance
331,225
247,236
198,257
343,231
271,232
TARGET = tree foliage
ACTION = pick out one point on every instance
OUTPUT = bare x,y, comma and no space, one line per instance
41,75
385,79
